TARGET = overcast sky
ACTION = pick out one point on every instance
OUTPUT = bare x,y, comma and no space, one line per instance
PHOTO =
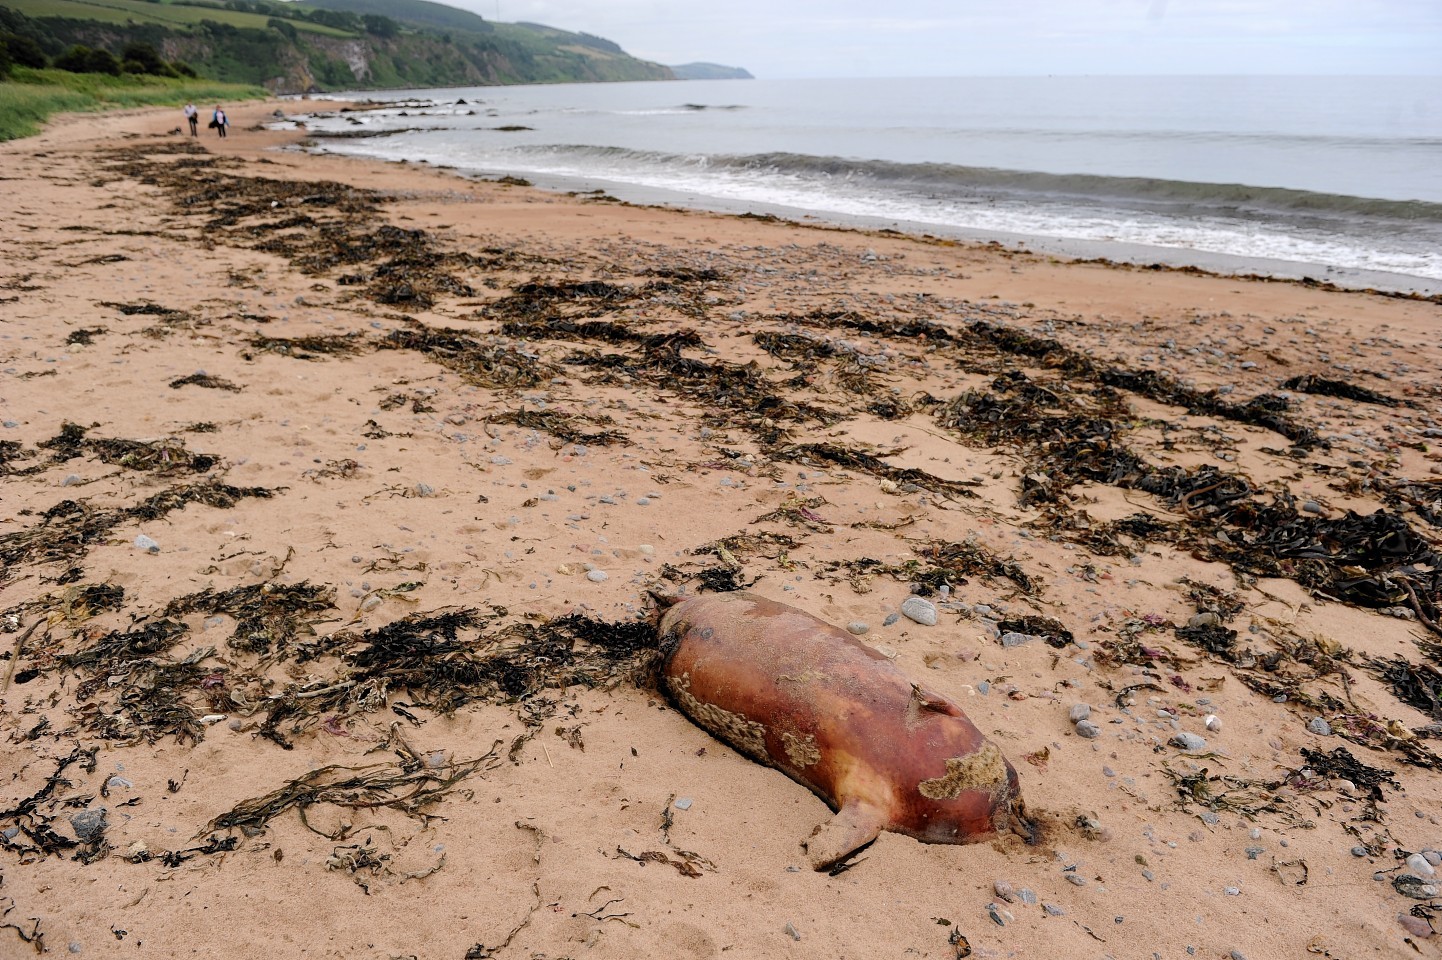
879,38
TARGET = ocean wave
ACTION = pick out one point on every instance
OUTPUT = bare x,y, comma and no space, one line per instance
979,183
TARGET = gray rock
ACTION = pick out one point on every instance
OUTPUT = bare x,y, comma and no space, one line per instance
1079,712
792,932
1418,864
858,628
890,619
1311,506
596,576
1232,891
1414,887
88,825
1188,741
1076,879
1359,851
1319,726
1433,857
919,610
1087,730
1004,891
1205,619
1052,910
1027,896
142,542
1014,639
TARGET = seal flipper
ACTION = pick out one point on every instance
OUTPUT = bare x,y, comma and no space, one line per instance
853,827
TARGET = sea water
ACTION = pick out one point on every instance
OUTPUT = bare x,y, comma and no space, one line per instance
1338,178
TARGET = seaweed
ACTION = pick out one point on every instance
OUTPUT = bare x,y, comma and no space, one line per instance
167,455
31,831
561,425
401,786
1321,386
269,617
310,348
206,380
1419,685
68,529
496,366
906,478
1053,631
1340,763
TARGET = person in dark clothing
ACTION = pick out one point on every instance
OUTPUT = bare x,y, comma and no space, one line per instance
193,116
218,121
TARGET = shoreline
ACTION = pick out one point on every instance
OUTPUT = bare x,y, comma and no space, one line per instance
334,488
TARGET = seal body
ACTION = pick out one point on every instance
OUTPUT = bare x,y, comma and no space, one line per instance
801,695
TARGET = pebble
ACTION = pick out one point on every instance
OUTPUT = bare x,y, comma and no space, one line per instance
792,932
1052,910
142,542
858,628
501,461
1319,726
919,610
1359,851
1076,879
1415,926
1013,639
1004,891
683,803
1188,741
1027,896
88,824
890,619
1087,730
1311,506
117,783
1213,723
71,479
1255,852
1418,864
1205,619
1079,712
1433,857
596,576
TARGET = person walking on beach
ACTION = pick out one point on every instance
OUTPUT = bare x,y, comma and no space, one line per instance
218,121
193,116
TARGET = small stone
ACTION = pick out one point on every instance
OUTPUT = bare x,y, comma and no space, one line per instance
683,803
858,628
1076,879
1205,619
501,461
1237,955
597,576
919,610
1004,891
1433,857
792,932
118,783
1052,910
1311,506
1418,864
1359,851
1319,726
890,619
1079,712
1232,891
88,825
1415,887
1415,926
71,479
1255,852
1014,639
1087,730
142,542
1213,723
425,490
1027,896
1188,741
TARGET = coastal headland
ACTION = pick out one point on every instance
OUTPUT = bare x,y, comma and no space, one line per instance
331,490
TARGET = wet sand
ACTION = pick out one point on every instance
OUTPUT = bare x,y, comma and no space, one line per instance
333,490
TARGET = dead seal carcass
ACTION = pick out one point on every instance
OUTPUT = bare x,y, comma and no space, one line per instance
796,693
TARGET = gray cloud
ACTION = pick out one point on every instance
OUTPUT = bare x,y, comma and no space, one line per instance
830,38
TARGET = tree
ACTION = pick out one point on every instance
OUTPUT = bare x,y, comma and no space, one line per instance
146,58
380,26
23,51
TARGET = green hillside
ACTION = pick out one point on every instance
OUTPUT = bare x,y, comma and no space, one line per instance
323,45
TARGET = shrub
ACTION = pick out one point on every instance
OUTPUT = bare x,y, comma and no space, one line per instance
23,51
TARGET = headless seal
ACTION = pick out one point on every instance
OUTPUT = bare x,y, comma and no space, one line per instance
796,693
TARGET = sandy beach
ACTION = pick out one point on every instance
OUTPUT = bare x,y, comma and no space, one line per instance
331,493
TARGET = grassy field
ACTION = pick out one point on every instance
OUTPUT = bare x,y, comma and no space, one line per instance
174,16
31,97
